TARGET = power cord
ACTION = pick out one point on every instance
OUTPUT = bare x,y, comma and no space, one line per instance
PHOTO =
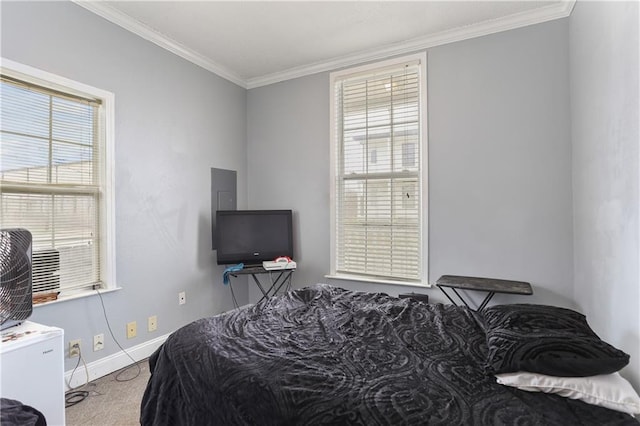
75,395
135,363
233,296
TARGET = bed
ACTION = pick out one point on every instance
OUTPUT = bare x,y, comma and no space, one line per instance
326,355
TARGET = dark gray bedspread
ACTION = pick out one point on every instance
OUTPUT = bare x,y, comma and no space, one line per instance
325,355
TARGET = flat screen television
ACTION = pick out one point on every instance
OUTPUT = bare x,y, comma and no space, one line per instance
252,236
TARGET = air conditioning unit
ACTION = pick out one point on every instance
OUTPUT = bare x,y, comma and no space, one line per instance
46,270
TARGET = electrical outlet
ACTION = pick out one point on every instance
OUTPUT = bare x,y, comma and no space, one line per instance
132,329
182,298
74,348
98,342
152,323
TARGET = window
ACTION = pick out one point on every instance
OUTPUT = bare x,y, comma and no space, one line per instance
54,180
378,164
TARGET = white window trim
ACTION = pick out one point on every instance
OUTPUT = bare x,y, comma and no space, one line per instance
424,234
107,217
424,231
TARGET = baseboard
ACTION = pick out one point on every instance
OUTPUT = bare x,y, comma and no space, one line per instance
111,363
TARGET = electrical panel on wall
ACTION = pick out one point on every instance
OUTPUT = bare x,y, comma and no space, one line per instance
223,196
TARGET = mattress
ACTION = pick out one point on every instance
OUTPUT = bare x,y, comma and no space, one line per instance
326,355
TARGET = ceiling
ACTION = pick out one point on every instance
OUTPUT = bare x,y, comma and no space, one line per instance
254,43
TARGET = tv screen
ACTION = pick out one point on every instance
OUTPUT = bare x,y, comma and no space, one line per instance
252,236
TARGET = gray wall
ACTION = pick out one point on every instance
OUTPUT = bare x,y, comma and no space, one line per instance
500,165
604,117
499,162
288,165
174,121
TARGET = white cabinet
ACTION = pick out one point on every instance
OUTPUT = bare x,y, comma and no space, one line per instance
32,365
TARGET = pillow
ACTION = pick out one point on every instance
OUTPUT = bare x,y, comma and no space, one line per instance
608,390
546,340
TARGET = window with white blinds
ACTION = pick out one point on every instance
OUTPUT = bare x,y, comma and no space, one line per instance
52,181
378,214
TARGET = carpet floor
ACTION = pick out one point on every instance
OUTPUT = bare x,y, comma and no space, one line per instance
112,400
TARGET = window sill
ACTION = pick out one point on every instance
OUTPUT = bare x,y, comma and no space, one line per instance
345,277
78,295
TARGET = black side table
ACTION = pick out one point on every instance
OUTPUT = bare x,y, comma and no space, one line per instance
490,285
283,276
417,296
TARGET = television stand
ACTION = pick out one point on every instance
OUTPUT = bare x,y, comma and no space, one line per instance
282,277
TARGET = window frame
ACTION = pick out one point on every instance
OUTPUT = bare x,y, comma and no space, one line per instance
423,172
106,205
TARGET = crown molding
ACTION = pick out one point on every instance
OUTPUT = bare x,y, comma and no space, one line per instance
517,20
101,8
559,10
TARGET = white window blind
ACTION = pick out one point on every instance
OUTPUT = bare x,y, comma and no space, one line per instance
50,181
378,189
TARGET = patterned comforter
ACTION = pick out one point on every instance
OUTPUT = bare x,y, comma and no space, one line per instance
325,355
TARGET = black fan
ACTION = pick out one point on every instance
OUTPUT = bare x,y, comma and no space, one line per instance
15,277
